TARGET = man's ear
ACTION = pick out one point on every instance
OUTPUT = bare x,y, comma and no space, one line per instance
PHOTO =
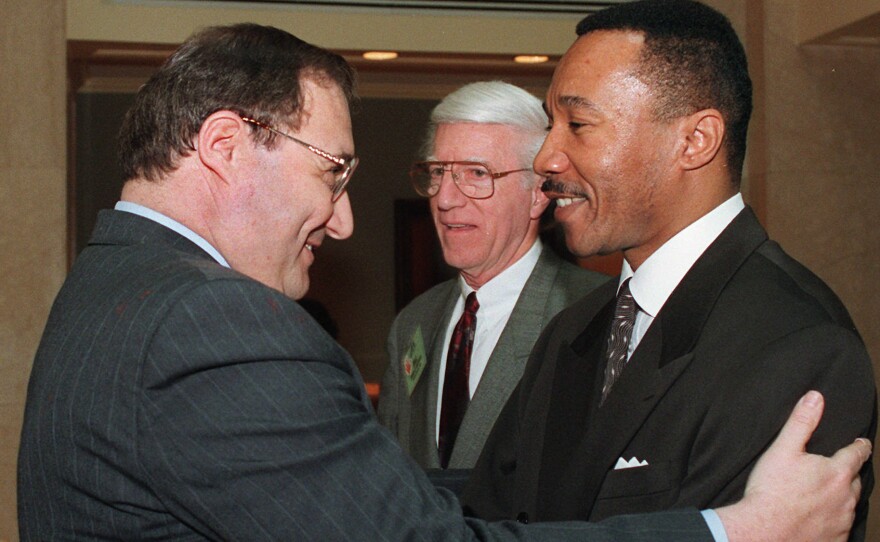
221,141
540,201
703,135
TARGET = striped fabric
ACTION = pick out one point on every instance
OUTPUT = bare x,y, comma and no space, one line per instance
174,399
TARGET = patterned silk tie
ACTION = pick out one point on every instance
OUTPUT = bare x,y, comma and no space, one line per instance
618,339
455,384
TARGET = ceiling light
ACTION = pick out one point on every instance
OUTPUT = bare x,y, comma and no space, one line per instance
531,59
380,55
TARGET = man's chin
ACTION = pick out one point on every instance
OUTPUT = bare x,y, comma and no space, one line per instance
296,289
298,293
455,256
580,247
458,262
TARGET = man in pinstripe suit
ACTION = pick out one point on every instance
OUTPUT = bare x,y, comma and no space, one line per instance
180,393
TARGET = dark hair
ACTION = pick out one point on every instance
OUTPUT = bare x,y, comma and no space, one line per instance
693,60
250,69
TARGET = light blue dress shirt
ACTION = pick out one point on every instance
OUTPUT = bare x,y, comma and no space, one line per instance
172,224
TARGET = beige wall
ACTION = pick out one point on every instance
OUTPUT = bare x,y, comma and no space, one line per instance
818,135
823,164
32,204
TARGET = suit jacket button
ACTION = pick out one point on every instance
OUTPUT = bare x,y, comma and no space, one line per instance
523,517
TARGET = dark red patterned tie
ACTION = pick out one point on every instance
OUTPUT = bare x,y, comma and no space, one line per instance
618,339
455,384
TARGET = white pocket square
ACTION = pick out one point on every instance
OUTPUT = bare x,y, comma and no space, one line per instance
632,463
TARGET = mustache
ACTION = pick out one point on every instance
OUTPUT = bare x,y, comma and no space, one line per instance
555,189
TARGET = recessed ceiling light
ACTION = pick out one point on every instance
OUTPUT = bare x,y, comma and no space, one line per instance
380,55
531,59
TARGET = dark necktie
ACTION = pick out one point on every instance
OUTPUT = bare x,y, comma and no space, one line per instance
618,339
455,384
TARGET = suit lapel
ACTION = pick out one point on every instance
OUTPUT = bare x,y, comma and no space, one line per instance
666,349
423,417
643,383
663,354
690,304
508,359
570,402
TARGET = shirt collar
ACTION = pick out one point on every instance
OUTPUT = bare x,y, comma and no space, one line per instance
507,284
170,223
659,275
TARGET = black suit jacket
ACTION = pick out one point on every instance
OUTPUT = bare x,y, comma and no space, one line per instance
746,332
172,398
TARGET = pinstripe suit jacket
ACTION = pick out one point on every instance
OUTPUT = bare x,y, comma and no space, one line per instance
172,399
552,286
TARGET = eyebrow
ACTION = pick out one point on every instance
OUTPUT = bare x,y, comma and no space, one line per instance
576,102
571,102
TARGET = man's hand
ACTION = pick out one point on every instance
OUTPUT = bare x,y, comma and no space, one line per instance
793,495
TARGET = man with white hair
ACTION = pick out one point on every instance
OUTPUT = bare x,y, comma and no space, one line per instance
486,204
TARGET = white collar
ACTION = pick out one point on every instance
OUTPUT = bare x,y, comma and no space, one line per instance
653,282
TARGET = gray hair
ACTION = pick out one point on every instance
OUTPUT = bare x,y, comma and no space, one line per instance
492,102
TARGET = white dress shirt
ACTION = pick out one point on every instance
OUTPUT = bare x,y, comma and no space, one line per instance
497,298
653,282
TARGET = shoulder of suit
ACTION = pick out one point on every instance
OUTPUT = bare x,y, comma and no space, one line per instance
162,268
778,279
183,277
425,308
576,279
596,297
423,312
427,301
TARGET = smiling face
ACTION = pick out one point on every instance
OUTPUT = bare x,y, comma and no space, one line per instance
611,165
283,210
482,238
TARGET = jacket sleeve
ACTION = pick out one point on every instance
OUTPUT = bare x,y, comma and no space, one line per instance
754,400
253,425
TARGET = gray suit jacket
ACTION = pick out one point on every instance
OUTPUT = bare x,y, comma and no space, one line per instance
552,286
174,399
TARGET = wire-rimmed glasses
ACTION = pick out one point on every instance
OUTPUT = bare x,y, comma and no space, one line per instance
346,165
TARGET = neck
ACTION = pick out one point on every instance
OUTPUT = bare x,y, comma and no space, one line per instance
684,217
477,279
170,198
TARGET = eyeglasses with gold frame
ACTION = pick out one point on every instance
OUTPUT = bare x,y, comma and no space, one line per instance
346,165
